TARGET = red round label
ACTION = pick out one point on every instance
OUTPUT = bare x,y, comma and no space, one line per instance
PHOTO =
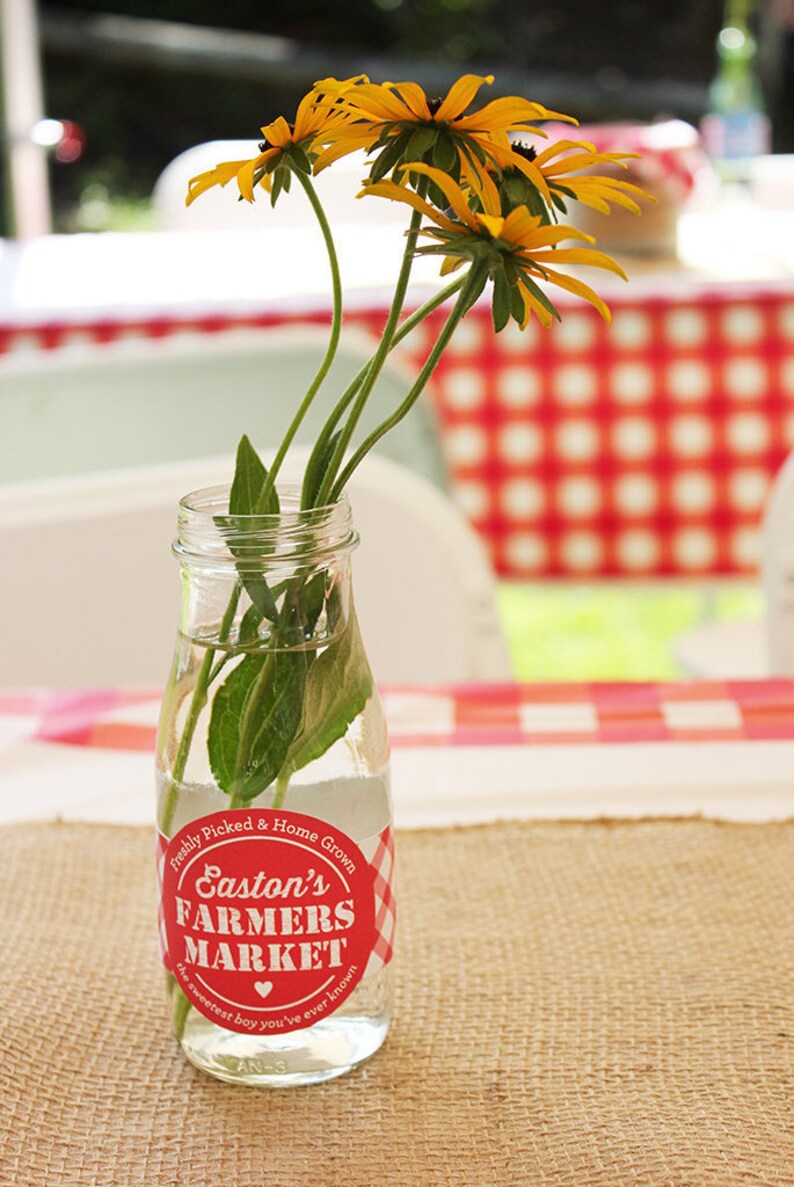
269,918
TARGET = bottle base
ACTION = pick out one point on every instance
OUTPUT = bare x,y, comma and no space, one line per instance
311,1056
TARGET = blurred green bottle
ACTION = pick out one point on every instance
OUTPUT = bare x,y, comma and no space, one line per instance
736,128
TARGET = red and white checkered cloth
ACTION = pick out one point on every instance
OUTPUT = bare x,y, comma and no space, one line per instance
462,715
642,448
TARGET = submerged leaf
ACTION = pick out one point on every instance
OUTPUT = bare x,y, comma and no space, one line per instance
338,687
255,716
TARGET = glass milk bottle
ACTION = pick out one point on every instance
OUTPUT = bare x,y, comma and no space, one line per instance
275,844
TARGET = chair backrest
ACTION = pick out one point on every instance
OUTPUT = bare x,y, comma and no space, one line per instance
777,571
90,593
140,401
217,209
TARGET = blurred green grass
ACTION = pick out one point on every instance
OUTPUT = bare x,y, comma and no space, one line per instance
610,632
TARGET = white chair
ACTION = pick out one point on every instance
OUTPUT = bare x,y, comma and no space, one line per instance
777,572
218,208
141,401
758,647
90,594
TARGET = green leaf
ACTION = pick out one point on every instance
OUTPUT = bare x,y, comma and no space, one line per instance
247,497
256,714
539,294
275,189
316,468
475,153
445,154
300,159
389,156
249,626
502,301
261,597
419,142
475,293
250,478
302,607
517,306
339,685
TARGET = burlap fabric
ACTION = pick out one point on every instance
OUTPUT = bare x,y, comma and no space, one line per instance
579,1004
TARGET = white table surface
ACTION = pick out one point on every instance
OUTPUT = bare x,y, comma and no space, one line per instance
128,275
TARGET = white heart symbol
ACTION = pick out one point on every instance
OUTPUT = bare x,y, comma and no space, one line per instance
263,988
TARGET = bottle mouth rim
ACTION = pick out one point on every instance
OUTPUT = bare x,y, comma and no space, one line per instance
207,499
208,532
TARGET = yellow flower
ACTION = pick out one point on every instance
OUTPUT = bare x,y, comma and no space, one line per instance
518,249
561,165
408,126
283,144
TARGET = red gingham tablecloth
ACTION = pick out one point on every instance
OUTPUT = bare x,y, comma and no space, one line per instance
645,448
466,715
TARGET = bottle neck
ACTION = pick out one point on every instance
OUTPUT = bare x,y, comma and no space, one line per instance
736,45
264,581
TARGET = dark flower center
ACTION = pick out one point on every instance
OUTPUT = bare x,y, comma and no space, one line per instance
524,150
434,104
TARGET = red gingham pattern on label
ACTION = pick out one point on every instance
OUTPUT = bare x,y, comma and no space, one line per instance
378,850
641,448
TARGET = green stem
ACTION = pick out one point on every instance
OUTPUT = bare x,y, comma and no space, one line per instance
326,432
181,1010
333,342
460,308
248,724
197,703
282,783
377,361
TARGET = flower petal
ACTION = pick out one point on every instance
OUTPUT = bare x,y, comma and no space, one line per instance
245,180
306,120
449,188
520,225
451,264
398,193
579,255
533,305
376,102
413,97
493,224
527,229
507,159
508,112
340,147
560,146
220,175
579,289
460,95
278,133
480,181
334,87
